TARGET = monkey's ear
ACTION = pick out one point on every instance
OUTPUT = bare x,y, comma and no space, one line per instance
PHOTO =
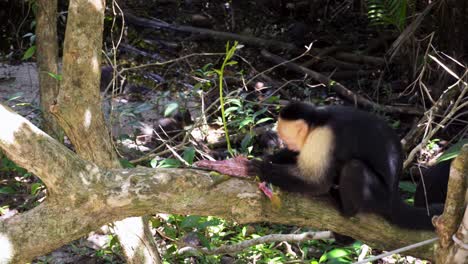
302,129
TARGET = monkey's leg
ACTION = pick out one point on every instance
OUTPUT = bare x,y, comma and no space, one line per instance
360,189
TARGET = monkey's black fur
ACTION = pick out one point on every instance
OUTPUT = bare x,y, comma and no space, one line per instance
433,186
365,163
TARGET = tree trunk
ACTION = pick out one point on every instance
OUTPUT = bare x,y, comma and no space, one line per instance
78,110
47,57
452,226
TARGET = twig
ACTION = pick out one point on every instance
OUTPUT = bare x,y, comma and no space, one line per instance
171,148
455,107
316,58
420,244
308,48
260,240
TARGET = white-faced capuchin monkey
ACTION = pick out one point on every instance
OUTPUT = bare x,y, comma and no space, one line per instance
341,146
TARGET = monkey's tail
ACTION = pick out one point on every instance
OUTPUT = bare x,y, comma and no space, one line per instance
410,217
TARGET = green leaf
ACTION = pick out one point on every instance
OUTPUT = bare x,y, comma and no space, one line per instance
190,221
245,122
126,164
334,254
15,96
259,112
35,188
57,77
207,67
230,109
273,99
170,232
189,155
234,101
453,151
204,241
170,108
29,53
169,163
244,230
212,222
263,120
246,141
407,186
142,108
154,163
7,190
155,222
231,63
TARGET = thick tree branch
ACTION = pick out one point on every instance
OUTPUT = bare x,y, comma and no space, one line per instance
40,154
104,196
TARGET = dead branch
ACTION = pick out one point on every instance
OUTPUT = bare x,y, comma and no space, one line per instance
151,23
429,117
340,89
320,56
359,58
332,63
226,249
447,106
130,48
263,43
344,75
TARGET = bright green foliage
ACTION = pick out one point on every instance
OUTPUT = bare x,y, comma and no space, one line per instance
110,251
387,12
57,77
212,232
189,155
29,53
227,61
241,114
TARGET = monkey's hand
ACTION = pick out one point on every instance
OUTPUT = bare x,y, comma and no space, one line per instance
287,177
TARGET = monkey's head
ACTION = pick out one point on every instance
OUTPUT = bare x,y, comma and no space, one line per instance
293,126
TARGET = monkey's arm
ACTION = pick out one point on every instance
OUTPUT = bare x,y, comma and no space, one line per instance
287,177
283,156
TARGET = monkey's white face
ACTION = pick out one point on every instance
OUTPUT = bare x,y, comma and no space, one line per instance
293,133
